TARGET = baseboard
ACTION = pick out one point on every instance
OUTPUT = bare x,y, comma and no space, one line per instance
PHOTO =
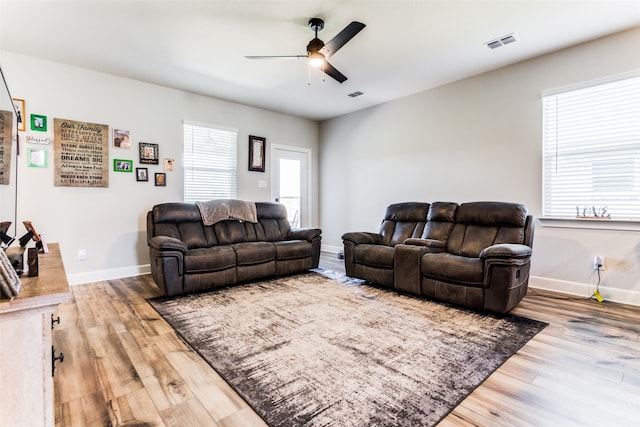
623,296
332,249
101,275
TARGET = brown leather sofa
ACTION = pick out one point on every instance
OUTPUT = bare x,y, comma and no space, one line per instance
188,256
474,254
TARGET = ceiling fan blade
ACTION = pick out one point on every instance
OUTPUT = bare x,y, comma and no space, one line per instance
342,38
331,71
275,56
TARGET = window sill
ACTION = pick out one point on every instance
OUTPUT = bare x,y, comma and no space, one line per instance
591,224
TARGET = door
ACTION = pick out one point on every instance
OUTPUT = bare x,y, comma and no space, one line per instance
290,182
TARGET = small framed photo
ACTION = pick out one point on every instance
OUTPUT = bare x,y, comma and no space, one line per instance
38,122
36,157
121,138
121,165
149,153
256,153
168,164
161,179
18,104
142,174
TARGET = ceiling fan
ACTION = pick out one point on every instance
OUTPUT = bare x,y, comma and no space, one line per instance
318,51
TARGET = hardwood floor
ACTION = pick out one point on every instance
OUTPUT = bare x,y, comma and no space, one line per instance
124,366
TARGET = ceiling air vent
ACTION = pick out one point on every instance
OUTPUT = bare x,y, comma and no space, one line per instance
355,94
493,44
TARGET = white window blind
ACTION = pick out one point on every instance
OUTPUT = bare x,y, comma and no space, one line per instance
210,163
591,151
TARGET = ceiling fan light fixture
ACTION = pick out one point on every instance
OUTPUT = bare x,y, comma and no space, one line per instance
316,59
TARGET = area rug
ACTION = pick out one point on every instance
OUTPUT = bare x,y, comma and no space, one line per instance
320,349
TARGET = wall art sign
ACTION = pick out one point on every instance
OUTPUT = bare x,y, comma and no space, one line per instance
122,165
149,153
39,122
37,158
81,154
256,153
6,140
38,139
121,138
18,104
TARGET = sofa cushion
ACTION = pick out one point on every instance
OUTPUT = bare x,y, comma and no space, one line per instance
482,224
379,256
293,249
453,268
403,221
209,259
251,253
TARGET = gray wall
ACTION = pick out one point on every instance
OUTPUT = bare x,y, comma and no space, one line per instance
478,139
110,222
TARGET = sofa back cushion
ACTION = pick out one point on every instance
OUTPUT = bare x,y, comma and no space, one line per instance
482,224
403,221
440,221
183,221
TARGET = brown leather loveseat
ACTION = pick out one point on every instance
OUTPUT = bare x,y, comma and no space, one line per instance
474,254
188,256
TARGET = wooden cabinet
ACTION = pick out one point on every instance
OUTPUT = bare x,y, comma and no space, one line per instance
26,381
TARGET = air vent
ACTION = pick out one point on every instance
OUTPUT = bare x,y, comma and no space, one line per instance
504,40
355,94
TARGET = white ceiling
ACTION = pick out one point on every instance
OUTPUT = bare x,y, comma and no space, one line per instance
199,46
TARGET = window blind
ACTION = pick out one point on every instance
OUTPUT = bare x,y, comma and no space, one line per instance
210,163
591,151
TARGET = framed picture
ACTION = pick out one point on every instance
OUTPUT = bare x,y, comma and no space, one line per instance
36,157
161,179
121,138
142,174
256,153
39,122
149,153
168,164
120,165
19,106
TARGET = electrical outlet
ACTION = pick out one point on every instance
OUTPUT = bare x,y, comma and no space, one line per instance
598,263
82,254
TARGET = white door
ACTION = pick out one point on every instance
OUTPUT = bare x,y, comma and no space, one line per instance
290,182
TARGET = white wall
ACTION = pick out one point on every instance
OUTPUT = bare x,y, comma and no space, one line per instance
477,139
110,222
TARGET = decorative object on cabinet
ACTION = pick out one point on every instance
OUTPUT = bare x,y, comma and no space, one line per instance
9,281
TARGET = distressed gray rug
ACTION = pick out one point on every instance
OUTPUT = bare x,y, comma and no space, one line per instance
320,349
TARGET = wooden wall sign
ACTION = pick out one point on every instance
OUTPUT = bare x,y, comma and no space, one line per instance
6,140
81,154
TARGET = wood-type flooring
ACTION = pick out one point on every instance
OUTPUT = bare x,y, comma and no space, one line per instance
125,366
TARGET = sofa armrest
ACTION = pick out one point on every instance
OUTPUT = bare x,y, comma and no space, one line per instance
166,243
506,251
307,234
429,245
362,237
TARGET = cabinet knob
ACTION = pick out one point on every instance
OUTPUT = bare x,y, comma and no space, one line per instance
55,358
54,320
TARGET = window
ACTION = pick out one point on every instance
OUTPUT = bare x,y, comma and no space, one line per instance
210,163
591,151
